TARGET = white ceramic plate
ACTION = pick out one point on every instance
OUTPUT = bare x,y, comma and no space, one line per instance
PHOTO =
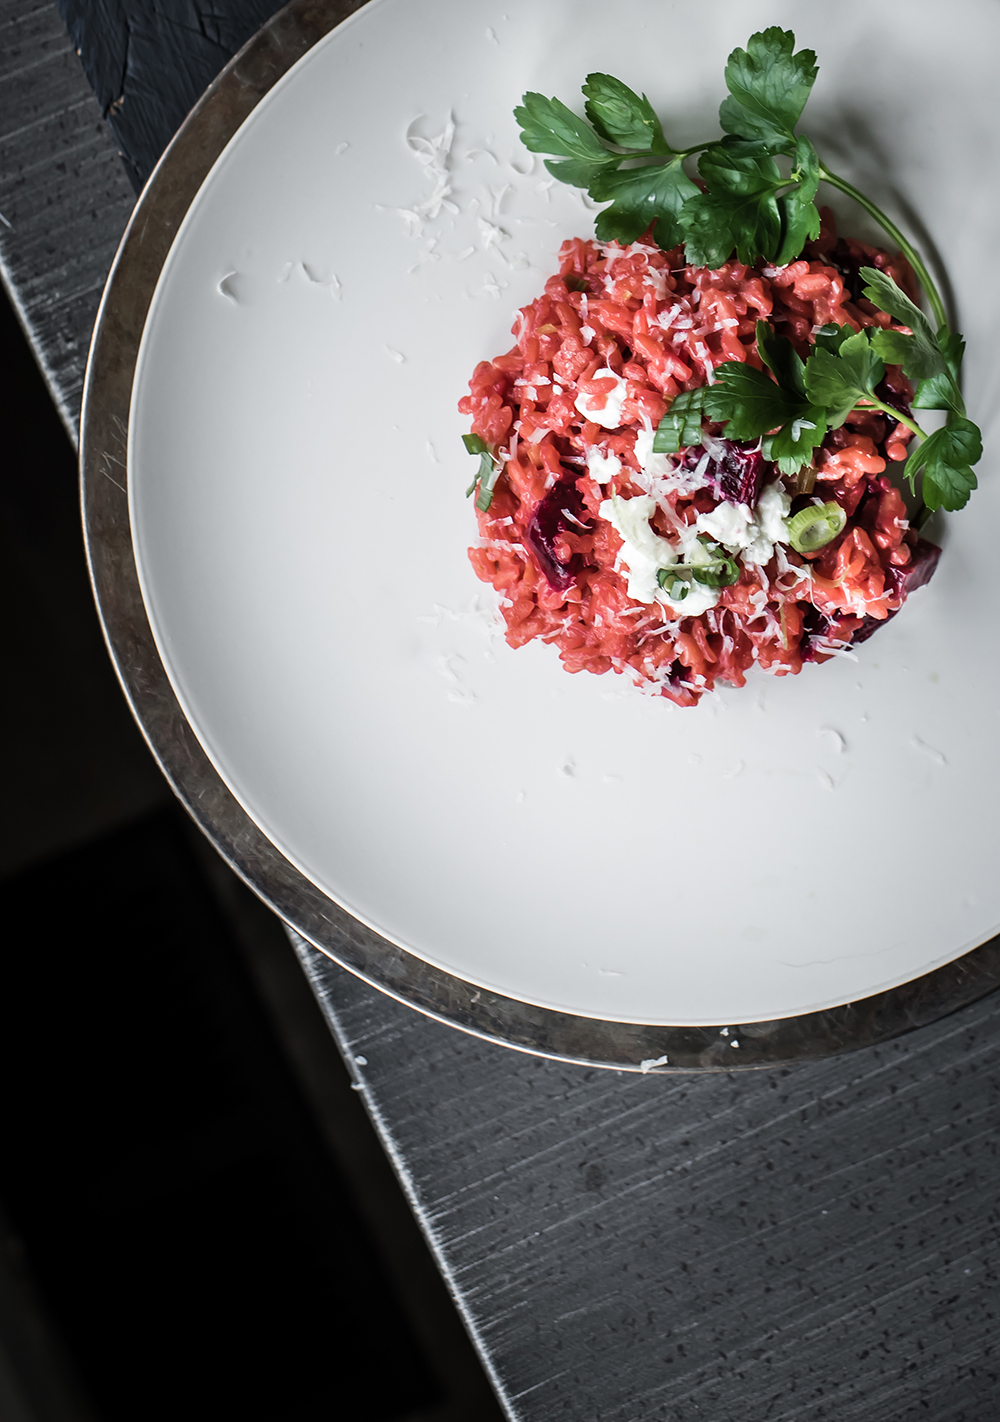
296,481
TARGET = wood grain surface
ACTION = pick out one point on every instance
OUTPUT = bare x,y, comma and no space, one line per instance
787,1245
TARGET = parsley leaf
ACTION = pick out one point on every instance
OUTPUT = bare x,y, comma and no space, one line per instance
838,381
639,197
831,337
768,87
888,296
792,446
941,392
621,117
548,126
749,401
739,210
780,356
681,425
919,354
752,404
716,223
579,172
947,457
799,214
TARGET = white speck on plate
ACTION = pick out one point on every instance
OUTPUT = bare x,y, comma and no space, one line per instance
935,755
837,740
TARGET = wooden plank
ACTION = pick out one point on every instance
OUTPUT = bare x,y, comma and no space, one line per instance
791,1245
64,195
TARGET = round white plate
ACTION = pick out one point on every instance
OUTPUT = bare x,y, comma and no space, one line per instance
296,484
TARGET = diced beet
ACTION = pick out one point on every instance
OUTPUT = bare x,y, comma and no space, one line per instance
560,511
816,626
918,571
848,263
736,475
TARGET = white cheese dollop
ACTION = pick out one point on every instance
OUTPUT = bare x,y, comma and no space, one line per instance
730,524
610,413
600,466
771,520
753,536
645,553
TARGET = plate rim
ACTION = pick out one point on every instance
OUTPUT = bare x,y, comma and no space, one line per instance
658,1048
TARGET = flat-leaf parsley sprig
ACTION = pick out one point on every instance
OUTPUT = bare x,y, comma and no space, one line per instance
745,204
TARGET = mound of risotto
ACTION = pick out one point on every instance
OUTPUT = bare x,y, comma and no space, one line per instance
682,570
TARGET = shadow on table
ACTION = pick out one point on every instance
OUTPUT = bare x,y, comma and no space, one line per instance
196,1218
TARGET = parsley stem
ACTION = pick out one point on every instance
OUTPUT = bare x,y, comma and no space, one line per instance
923,275
871,403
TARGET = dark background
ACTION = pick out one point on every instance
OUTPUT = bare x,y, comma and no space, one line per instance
196,1218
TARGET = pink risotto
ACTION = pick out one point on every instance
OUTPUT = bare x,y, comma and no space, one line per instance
591,535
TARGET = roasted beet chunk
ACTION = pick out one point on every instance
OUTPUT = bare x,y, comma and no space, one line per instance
918,571
560,511
734,469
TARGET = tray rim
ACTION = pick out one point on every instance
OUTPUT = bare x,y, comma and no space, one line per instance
622,1046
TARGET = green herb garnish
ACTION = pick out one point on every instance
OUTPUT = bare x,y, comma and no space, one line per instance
487,473
763,211
815,526
716,570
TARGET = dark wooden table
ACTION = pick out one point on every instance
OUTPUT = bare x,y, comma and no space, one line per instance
789,1245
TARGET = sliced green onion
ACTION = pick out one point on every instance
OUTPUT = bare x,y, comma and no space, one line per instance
721,572
672,584
489,473
815,526
486,475
681,425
